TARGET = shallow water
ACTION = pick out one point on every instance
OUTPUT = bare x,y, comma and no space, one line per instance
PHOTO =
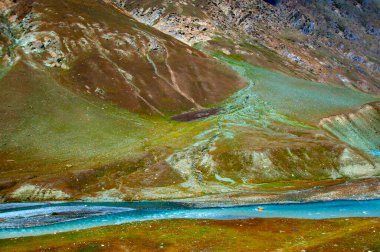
375,152
37,219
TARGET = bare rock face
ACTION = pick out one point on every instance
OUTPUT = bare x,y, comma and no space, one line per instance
355,166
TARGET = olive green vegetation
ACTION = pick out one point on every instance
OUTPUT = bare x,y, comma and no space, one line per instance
42,119
294,97
3,72
356,234
296,185
47,129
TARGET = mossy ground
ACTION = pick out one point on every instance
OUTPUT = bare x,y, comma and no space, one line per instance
209,235
296,185
294,97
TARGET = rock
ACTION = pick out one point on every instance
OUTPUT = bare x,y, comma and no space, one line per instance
371,30
34,192
350,35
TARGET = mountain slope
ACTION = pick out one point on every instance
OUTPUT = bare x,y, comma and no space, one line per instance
94,50
90,98
325,41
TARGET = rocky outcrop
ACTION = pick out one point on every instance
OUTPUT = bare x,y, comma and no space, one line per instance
315,35
188,29
33,192
360,128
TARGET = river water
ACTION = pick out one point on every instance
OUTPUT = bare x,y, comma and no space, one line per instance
32,219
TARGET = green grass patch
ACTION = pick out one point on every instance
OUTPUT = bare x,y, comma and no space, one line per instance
294,97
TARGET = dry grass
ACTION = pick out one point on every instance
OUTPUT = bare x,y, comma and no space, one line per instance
206,235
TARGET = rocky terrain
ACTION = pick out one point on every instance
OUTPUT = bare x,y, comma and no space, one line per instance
327,41
219,100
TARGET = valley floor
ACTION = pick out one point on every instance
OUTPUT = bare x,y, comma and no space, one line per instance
353,234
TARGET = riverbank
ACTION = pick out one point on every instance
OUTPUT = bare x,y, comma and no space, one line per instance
353,234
